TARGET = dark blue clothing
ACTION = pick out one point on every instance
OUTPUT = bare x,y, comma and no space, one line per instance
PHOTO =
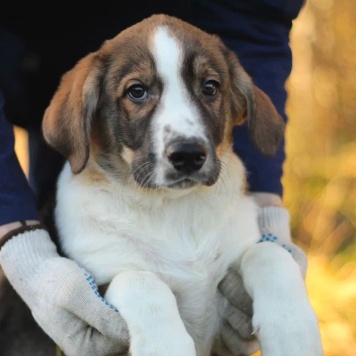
257,30
17,201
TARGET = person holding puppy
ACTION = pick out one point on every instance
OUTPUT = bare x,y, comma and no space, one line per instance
61,295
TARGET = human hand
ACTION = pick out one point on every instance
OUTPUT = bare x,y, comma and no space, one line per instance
237,337
63,297
274,225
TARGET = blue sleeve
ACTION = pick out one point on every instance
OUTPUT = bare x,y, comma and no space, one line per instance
17,201
258,32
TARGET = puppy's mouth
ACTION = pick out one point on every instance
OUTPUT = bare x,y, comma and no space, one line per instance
187,181
184,183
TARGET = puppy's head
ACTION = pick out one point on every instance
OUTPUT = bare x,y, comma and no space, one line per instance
159,101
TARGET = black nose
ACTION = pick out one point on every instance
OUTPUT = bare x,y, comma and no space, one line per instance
187,157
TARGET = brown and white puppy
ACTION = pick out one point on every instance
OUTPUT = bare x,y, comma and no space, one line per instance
153,200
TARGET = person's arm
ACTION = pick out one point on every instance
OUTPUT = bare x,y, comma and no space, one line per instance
17,201
53,287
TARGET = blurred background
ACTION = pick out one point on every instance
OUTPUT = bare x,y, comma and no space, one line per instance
320,171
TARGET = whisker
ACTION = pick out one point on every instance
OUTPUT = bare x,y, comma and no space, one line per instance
150,176
146,180
138,169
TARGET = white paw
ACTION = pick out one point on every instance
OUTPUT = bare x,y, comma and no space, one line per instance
167,344
150,310
284,320
289,333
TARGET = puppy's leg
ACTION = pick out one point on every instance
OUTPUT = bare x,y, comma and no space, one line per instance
283,319
150,310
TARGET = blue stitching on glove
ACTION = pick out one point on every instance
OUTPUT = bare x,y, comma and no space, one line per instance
272,238
94,287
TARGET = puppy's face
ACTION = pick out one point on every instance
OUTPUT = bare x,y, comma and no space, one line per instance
158,101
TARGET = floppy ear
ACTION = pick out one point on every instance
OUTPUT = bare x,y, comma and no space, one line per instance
67,119
266,126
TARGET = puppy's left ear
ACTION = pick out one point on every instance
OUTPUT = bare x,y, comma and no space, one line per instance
266,126
66,122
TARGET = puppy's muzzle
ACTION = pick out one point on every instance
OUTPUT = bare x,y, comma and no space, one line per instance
187,157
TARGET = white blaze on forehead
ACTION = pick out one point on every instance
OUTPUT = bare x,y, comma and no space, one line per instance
176,110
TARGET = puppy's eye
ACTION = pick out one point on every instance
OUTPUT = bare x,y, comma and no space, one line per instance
137,92
210,88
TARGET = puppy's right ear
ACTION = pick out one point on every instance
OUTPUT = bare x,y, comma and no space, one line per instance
66,122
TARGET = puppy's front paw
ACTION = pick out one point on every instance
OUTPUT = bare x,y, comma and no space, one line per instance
165,344
288,331
150,310
283,319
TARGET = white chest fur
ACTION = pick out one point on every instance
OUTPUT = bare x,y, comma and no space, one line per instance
188,239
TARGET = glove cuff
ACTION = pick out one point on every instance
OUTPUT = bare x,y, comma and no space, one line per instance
21,255
23,228
275,220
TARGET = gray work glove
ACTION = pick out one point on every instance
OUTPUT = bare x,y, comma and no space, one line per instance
236,337
63,297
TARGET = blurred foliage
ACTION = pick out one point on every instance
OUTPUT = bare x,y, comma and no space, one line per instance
320,170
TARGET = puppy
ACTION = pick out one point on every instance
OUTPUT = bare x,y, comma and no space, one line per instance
153,200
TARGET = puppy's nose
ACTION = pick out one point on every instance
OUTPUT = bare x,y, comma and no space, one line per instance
187,157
